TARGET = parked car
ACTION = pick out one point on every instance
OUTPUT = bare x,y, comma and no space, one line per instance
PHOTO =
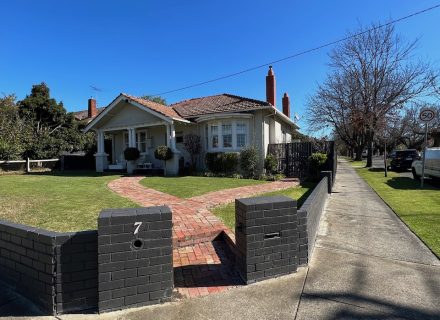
402,159
432,164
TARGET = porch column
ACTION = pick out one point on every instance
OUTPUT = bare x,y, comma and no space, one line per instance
100,156
168,135
131,138
100,142
173,137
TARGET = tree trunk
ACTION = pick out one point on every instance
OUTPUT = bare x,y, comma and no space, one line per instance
359,150
370,154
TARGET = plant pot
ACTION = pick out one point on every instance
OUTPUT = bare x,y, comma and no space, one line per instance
131,166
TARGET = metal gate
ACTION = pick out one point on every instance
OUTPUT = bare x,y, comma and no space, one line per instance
293,158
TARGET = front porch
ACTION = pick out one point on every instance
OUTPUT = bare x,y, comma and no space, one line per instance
112,143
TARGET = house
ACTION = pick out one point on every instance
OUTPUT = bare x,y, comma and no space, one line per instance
225,123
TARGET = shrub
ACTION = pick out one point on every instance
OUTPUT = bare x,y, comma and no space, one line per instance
230,162
222,163
249,161
271,164
163,153
131,154
316,161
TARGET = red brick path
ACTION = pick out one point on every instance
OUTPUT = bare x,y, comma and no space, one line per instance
201,265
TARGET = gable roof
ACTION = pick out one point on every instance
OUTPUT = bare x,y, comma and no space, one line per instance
160,108
217,104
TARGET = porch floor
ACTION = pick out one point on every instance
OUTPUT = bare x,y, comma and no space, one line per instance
202,264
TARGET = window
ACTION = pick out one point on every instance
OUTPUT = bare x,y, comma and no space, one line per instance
214,136
227,135
141,141
179,137
241,131
231,134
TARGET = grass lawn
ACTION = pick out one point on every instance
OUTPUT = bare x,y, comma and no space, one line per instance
419,209
227,212
187,187
58,202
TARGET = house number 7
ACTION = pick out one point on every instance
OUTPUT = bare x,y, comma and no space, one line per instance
137,225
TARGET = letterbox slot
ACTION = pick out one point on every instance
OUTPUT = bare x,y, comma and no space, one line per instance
272,235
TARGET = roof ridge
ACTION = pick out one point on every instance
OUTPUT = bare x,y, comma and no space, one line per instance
248,99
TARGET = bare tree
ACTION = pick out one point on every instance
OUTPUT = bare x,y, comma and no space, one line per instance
373,77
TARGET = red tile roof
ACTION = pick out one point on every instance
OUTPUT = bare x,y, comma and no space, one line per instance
217,104
84,114
160,108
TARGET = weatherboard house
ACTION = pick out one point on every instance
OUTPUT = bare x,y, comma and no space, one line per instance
224,122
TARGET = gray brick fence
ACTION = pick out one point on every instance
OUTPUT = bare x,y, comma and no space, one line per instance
128,261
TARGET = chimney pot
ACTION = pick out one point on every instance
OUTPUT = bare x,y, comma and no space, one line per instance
286,104
92,111
270,87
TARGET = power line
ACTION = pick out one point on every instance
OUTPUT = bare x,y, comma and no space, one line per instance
299,53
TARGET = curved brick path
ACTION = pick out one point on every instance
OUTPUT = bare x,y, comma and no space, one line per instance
201,265
192,221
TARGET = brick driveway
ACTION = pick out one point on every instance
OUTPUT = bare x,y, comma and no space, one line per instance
201,263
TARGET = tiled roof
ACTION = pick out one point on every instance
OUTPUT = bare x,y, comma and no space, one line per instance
216,104
84,114
160,108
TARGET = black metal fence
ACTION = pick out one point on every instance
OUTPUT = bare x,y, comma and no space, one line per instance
293,158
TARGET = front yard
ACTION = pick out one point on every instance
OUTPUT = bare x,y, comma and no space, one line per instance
187,187
418,208
227,212
58,202
73,201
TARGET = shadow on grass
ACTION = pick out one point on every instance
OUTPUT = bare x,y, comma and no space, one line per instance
76,173
303,198
405,183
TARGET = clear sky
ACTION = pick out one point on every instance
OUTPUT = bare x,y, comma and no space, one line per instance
148,47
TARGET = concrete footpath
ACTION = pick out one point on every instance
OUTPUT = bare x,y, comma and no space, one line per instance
366,265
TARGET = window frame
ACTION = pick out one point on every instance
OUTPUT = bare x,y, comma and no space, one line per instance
220,145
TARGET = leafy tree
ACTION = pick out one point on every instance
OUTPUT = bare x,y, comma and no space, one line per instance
156,99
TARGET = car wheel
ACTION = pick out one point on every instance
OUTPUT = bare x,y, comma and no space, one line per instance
415,176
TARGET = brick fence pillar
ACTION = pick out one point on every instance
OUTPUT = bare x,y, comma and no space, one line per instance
266,237
135,262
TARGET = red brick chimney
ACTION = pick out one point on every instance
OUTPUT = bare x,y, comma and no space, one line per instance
270,87
286,104
92,108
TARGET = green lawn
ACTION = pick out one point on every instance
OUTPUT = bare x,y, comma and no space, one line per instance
187,187
58,202
419,209
227,212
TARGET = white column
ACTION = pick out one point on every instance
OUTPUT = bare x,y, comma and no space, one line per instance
131,138
173,137
168,142
100,142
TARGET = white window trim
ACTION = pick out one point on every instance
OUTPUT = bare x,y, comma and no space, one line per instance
219,124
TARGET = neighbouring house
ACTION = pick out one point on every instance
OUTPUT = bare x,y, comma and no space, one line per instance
225,123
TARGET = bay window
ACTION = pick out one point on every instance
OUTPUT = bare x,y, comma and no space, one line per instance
227,135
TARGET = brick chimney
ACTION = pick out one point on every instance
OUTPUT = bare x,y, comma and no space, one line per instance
92,111
270,87
286,104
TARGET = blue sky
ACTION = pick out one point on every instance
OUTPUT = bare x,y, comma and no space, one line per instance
148,47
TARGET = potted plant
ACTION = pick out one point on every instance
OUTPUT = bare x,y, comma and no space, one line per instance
131,155
163,153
